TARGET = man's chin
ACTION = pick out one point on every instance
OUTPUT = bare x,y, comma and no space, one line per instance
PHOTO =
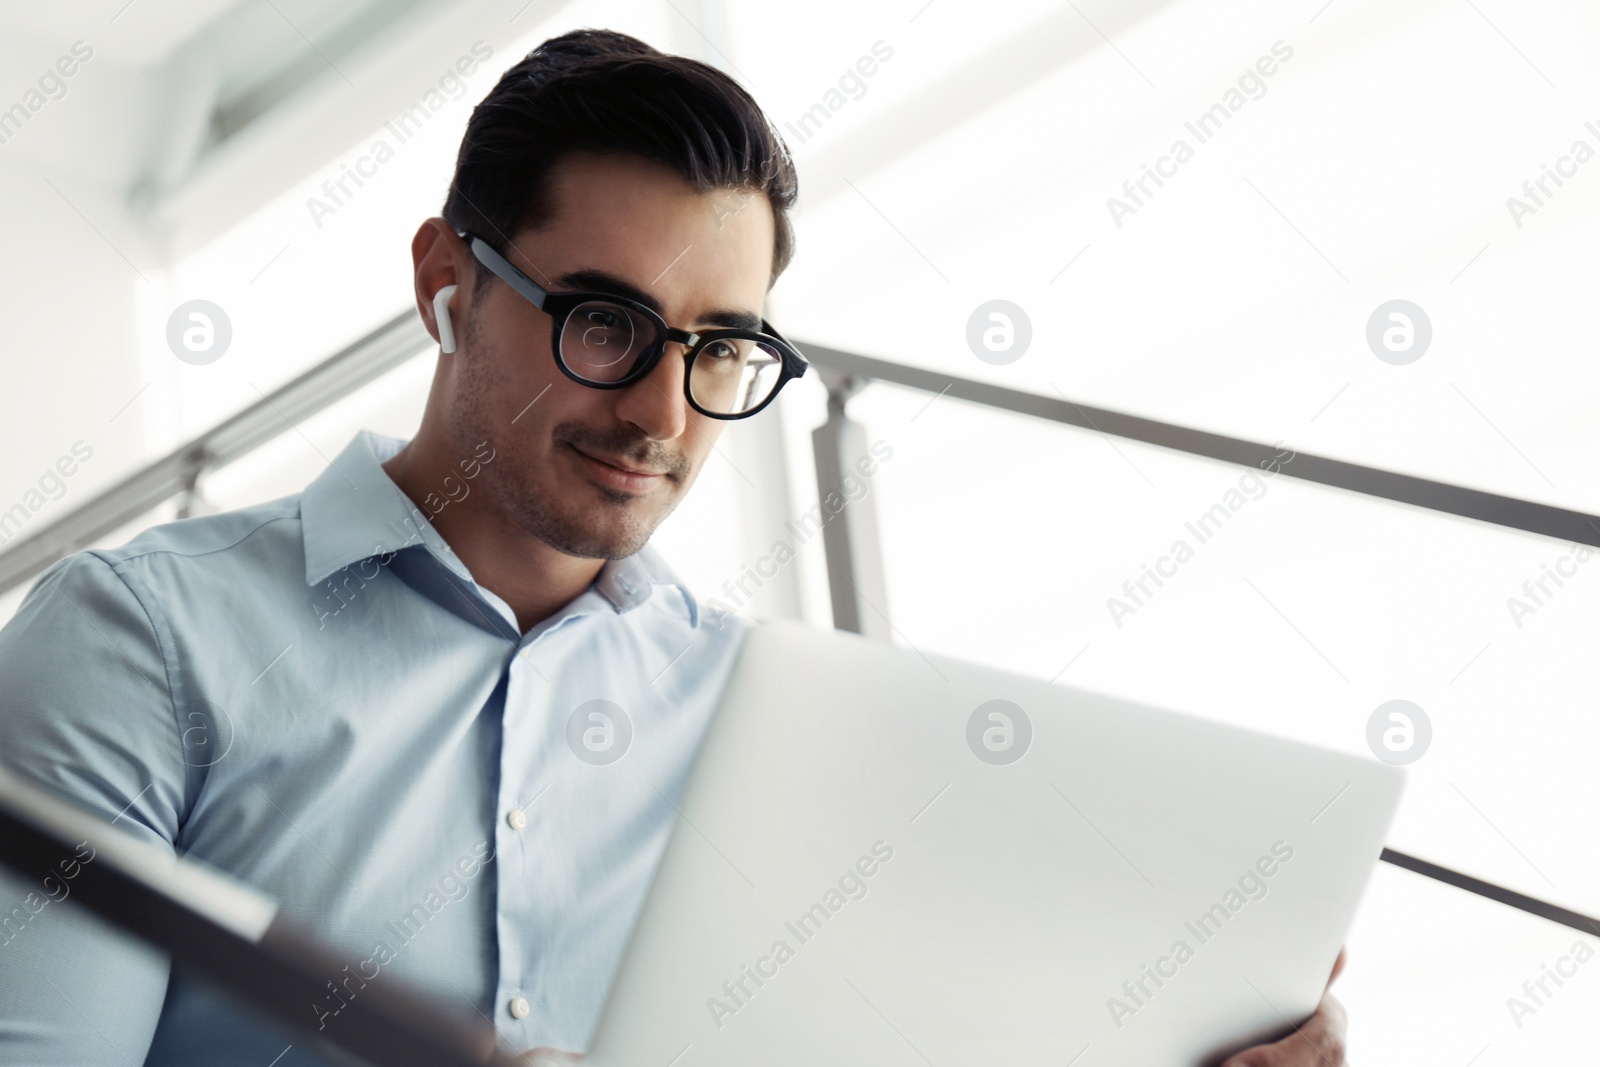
598,540
580,518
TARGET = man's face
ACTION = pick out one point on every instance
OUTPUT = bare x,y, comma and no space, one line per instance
562,449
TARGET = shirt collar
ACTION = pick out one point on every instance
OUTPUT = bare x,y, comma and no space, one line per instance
354,511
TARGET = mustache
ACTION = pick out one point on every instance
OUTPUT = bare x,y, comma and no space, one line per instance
634,447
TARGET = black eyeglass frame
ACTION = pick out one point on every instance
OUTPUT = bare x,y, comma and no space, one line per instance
561,305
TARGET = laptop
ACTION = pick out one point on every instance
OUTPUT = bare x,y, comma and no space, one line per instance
884,857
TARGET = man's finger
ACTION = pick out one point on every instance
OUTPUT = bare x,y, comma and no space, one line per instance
1319,1043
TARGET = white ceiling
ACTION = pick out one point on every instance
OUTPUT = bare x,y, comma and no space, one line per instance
141,33
175,81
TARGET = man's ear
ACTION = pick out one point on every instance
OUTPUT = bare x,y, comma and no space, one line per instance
437,265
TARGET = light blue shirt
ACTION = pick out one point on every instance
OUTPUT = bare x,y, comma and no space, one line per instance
314,696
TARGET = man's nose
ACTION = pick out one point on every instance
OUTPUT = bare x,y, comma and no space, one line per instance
656,403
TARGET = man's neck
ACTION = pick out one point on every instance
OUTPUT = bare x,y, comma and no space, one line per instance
535,579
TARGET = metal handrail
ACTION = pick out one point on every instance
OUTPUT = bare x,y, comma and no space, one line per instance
403,337
1515,513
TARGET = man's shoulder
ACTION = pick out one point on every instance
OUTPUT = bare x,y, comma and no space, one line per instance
185,558
198,537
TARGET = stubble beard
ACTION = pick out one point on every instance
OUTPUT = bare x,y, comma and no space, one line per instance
608,528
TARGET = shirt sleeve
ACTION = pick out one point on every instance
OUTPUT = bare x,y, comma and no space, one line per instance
87,711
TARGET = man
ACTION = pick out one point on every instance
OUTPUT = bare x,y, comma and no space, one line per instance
393,702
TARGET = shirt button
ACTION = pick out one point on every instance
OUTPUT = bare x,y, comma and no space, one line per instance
516,820
518,1007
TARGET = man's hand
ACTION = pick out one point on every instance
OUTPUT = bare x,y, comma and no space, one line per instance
1319,1043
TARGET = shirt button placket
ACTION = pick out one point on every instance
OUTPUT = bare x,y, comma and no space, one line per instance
512,976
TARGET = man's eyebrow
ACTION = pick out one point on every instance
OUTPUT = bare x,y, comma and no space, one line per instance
599,281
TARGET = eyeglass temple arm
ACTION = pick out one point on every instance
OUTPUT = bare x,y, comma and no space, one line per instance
504,269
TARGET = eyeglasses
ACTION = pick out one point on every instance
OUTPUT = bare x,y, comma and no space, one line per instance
609,342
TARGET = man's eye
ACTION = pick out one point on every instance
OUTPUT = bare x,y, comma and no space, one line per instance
721,351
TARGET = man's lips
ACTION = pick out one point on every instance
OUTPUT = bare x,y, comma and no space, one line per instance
619,473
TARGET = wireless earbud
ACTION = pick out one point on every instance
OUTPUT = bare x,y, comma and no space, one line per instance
441,315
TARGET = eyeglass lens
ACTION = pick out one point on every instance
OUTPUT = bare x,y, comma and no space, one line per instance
603,342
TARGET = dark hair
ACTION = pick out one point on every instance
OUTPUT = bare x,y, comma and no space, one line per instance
606,92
